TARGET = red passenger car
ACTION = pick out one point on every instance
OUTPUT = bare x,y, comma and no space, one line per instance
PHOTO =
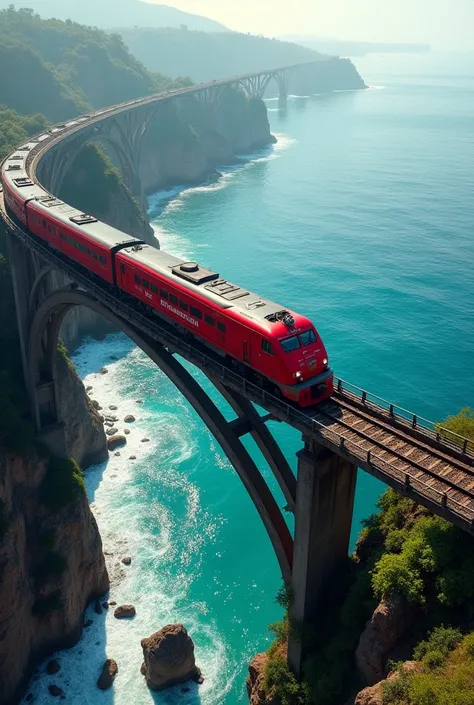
80,236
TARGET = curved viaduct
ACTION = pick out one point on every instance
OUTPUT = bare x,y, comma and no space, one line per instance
352,430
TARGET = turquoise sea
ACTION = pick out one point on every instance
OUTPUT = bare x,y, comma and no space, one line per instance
362,218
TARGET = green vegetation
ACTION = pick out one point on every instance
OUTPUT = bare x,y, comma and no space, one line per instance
403,550
446,676
60,69
16,128
122,13
63,483
47,605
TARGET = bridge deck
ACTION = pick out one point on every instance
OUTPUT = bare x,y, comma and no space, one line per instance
432,466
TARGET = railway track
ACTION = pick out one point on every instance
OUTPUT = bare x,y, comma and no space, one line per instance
444,471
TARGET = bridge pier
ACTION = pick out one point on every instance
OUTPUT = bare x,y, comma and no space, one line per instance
323,518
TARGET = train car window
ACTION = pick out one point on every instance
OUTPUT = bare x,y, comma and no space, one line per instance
102,260
209,320
122,268
164,294
290,344
308,337
221,327
137,279
174,299
183,305
266,347
95,255
44,223
146,283
154,288
195,312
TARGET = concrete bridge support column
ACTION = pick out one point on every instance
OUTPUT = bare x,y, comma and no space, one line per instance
323,518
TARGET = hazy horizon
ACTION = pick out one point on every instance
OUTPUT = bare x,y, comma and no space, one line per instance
443,24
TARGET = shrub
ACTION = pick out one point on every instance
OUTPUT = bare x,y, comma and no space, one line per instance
279,679
396,691
394,574
62,484
442,640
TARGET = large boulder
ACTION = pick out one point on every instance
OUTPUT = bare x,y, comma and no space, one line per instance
125,612
115,442
169,657
389,622
107,677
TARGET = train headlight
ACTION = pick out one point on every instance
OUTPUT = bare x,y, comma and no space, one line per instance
298,376
325,361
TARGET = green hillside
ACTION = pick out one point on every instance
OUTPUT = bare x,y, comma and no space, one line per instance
60,69
113,13
204,56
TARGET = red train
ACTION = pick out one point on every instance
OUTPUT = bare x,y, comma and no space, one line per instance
282,348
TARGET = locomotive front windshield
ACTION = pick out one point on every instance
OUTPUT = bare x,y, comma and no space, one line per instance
296,341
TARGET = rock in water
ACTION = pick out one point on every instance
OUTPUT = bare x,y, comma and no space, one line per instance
126,560
169,657
124,611
129,418
107,677
115,442
55,691
53,667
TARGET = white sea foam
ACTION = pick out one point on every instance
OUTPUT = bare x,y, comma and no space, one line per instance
165,202
130,524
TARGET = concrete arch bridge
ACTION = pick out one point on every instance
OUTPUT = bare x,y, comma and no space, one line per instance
352,430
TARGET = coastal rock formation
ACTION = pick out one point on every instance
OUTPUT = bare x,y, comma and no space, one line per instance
169,657
51,566
125,612
115,442
107,677
254,682
85,437
389,622
373,695
185,144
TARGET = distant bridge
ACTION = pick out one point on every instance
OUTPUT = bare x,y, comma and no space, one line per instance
354,429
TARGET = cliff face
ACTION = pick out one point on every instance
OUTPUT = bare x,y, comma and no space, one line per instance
85,437
333,74
51,565
188,139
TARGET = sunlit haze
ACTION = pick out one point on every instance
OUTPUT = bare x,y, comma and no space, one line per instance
442,23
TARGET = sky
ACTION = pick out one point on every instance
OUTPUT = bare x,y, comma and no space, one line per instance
441,23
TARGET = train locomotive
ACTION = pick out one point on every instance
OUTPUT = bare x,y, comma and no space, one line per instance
277,348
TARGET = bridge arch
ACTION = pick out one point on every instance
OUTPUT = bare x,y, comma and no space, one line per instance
43,338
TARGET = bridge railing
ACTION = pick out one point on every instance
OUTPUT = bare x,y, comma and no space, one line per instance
387,471
434,430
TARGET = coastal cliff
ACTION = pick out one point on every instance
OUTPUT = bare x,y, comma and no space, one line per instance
189,139
51,560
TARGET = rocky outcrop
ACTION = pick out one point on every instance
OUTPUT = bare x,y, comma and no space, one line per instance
389,622
373,695
125,612
85,437
107,677
169,657
51,566
185,145
254,683
115,442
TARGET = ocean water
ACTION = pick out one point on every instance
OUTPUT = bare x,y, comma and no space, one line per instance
362,218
